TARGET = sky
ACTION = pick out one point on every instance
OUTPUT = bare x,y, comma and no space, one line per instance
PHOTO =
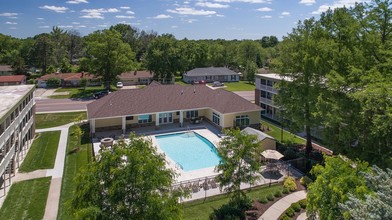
192,19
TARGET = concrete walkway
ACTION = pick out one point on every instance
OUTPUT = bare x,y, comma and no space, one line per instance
302,216
281,205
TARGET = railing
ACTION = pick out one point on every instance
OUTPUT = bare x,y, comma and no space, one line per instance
266,101
7,159
267,88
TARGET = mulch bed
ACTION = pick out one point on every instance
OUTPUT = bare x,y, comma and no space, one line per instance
259,208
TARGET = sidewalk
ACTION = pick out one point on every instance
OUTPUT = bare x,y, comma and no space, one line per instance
281,205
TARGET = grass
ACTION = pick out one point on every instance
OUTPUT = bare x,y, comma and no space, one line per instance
79,93
26,199
179,81
42,154
73,163
275,132
57,119
239,86
201,209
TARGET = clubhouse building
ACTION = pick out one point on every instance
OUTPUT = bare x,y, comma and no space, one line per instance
157,105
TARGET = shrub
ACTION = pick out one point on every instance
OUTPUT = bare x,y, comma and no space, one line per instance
285,217
270,197
290,212
285,191
289,183
296,207
305,181
278,194
302,203
53,82
263,200
290,154
234,209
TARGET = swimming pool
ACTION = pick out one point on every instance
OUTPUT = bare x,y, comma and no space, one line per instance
190,150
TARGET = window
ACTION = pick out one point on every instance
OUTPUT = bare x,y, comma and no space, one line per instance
144,119
269,83
233,77
192,114
165,118
177,113
129,118
216,118
263,82
263,94
242,120
269,95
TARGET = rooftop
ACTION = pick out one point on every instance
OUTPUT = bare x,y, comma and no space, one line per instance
67,76
274,76
165,98
5,68
135,74
260,135
208,71
12,78
10,95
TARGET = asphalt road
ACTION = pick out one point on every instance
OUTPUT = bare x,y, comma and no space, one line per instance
60,105
67,105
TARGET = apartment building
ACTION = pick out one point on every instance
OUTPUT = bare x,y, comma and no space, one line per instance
16,129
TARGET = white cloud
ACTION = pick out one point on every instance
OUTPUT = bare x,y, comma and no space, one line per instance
285,13
266,16
8,22
76,1
265,9
13,28
130,12
125,16
102,25
81,26
191,11
46,26
219,15
8,14
162,16
337,4
75,23
65,26
40,19
307,2
54,8
125,7
98,12
174,26
211,5
246,1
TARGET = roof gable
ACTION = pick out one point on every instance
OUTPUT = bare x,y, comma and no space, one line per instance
13,78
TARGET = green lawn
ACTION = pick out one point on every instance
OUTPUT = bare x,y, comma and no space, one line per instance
239,86
73,163
42,154
276,132
180,82
201,209
78,93
57,119
26,200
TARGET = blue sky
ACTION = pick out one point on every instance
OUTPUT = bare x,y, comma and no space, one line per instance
193,19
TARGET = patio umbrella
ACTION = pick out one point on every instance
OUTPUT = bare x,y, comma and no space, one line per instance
272,154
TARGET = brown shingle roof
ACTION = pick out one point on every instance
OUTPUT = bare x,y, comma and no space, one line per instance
135,75
67,76
14,78
5,68
160,98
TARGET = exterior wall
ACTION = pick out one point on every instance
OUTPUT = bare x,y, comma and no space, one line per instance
136,81
254,118
257,97
268,144
108,122
211,78
16,135
270,109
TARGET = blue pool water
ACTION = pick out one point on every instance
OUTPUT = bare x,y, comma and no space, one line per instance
190,150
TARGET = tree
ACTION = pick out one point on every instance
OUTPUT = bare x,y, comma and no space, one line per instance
128,181
42,51
163,58
108,56
303,68
250,71
240,155
78,132
376,205
334,181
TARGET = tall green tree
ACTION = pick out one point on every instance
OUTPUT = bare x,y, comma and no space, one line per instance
163,58
334,182
240,155
129,181
108,56
250,71
303,69
43,52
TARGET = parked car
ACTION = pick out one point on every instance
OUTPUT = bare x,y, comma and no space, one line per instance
100,94
217,84
119,85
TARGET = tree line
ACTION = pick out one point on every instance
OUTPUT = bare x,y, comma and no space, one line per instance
122,47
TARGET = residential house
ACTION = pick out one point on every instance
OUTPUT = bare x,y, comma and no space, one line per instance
267,142
136,78
157,104
6,70
16,129
211,74
69,79
12,80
